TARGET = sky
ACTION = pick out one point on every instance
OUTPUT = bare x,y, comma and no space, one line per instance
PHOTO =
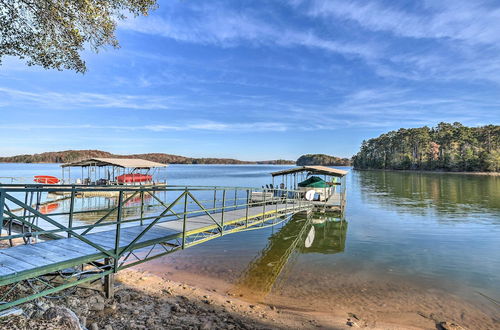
258,80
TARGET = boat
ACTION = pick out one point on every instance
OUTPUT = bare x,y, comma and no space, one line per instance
46,179
134,178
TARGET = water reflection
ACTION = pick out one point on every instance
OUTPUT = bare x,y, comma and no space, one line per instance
421,193
325,235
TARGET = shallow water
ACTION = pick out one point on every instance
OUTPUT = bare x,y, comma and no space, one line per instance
405,232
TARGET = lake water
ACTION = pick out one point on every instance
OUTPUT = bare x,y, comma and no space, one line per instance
405,239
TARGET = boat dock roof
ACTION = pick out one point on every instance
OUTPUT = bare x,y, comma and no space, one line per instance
119,162
312,169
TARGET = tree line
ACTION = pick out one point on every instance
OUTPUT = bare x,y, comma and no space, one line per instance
322,159
446,147
68,156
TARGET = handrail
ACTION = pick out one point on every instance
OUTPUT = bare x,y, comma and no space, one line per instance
215,217
288,197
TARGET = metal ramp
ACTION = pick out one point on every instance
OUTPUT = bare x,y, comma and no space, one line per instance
75,252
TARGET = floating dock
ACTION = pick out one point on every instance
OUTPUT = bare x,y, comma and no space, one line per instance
328,194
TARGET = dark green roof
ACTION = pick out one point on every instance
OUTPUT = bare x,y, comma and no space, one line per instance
314,182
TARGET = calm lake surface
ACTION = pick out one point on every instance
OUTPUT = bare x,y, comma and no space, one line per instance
425,231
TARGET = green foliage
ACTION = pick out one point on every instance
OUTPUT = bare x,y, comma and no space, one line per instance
448,147
492,161
75,155
322,159
52,33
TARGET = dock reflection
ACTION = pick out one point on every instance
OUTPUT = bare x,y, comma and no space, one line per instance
318,234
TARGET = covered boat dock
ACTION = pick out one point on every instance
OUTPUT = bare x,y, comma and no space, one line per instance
111,171
328,184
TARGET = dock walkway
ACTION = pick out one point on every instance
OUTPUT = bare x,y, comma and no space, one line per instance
107,247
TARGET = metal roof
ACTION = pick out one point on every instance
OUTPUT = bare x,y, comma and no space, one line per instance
120,162
313,169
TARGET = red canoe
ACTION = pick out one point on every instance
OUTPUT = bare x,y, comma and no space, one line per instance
135,177
46,179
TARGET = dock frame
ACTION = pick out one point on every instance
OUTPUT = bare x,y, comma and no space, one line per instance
59,254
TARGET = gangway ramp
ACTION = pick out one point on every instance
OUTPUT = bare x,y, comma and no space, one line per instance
84,253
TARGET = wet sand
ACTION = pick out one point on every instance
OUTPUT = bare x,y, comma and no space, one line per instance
368,301
145,300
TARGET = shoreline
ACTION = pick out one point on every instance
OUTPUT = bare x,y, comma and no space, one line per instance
146,301
429,172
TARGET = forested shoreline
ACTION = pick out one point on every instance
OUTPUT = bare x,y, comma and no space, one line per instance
446,147
75,155
322,159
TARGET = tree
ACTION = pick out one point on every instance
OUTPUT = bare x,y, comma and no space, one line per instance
493,161
52,33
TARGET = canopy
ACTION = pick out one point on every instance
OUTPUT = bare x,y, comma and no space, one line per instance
314,182
120,162
313,169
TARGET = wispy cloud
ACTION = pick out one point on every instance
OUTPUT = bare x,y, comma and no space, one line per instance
54,100
210,126
470,21
225,27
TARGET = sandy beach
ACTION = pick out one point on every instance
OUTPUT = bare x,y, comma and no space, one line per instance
147,301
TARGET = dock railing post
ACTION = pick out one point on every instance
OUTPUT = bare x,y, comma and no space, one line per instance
215,199
71,210
286,201
264,191
118,228
276,200
247,207
2,205
142,206
184,220
222,215
235,197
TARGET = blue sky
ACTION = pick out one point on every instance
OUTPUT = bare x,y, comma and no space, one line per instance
263,79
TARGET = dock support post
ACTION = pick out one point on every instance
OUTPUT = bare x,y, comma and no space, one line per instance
109,281
184,219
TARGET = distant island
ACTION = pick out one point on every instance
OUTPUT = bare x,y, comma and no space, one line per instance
322,159
446,147
75,155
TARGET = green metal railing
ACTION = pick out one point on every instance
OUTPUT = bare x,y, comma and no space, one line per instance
248,208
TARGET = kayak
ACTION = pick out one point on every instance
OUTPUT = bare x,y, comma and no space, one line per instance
133,178
46,179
